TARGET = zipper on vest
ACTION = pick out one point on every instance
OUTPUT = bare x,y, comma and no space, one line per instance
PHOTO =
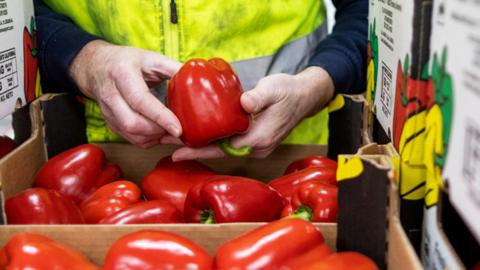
171,28
173,12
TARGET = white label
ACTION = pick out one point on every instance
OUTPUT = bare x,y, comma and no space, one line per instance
462,169
14,16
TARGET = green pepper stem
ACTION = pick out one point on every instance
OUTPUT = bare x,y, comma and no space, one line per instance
232,151
303,212
207,217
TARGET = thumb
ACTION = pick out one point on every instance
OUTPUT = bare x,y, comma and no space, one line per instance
257,99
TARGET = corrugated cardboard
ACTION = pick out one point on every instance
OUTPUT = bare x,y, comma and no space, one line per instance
94,241
451,152
16,174
398,52
367,180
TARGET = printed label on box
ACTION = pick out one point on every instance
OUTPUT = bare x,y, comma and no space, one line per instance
462,171
18,54
436,252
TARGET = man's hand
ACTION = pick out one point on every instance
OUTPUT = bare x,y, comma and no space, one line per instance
278,102
118,78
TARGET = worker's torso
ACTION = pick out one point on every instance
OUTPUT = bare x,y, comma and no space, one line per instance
257,37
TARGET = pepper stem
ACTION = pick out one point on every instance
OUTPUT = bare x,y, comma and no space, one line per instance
207,217
232,151
303,212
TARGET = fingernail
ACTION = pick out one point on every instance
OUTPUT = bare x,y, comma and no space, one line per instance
173,130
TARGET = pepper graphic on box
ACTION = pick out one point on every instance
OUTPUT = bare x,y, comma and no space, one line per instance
372,60
438,125
30,60
409,131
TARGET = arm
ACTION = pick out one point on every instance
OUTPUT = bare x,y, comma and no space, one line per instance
59,41
343,53
117,77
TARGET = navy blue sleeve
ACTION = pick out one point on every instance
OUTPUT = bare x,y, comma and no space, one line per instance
343,54
59,41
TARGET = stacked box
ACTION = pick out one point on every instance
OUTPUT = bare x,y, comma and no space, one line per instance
372,180
18,55
452,152
398,51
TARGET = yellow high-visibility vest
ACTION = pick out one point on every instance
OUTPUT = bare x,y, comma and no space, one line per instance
258,37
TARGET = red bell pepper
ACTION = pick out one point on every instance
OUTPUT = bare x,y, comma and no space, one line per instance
288,184
36,252
109,199
152,249
149,212
282,244
343,261
77,172
232,199
172,180
314,201
42,206
6,146
311,161
205,96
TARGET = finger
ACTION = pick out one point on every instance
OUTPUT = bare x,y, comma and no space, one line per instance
135,91
126,120
207,152
159,67
132,138
260,97
167,139
149,144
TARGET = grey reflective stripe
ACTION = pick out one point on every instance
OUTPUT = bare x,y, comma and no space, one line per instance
291,58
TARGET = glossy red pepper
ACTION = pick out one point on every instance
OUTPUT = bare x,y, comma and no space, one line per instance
311,161
77,172
30,60
7,145
109,199
314,201
232,199
171,181
149,212
343,261
152,249
205,96
42,206
288,184
36,252
282,244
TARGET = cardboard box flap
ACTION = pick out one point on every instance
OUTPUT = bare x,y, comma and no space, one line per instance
16,174
94,241
347,125
362,219
64,120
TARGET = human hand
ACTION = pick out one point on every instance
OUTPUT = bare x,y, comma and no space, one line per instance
278,102
119,78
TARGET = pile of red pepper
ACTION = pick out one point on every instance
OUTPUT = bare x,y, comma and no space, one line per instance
80,186
284,244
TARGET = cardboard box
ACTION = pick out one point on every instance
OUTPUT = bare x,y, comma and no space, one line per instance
451,152
369,208
461,60
398,52
17,172
18,55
